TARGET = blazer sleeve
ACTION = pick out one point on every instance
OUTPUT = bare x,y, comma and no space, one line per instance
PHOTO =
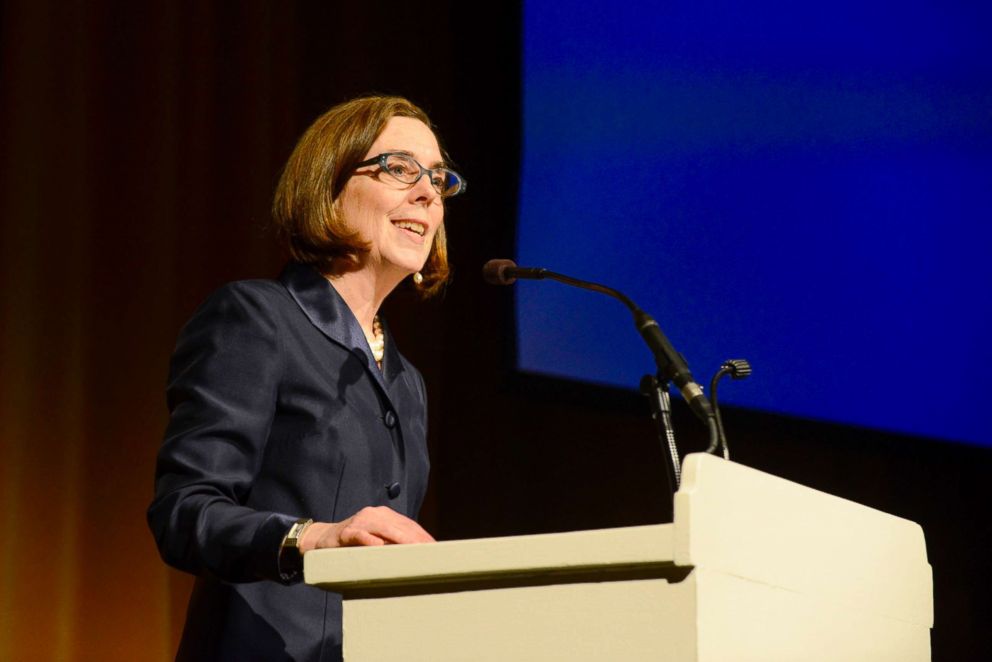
223,383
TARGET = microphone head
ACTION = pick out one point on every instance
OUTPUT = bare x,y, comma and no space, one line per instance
738,368
494,272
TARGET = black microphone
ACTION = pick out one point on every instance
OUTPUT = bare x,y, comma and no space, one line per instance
506,272
671,364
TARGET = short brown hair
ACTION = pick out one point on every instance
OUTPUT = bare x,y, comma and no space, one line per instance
304,210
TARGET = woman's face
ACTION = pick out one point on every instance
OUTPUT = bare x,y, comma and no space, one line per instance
397,220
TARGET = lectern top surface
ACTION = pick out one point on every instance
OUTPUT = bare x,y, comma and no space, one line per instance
729,519
618,549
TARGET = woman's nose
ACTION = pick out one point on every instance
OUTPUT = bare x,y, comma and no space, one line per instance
423,191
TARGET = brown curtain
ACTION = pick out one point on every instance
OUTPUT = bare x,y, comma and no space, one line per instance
139,152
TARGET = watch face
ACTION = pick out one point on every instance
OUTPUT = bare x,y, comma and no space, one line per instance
295,531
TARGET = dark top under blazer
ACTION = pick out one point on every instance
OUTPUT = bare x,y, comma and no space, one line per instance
278,412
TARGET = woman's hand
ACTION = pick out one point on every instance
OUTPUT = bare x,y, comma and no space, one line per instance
370,526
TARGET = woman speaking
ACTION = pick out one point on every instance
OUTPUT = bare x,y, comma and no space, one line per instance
295,422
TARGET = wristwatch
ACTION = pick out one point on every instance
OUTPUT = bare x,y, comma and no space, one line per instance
290,557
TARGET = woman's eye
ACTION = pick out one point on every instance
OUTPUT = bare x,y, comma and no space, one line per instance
401,168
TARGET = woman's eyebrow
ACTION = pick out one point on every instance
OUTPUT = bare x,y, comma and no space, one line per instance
404,152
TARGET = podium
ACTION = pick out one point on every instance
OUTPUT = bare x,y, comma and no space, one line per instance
754,567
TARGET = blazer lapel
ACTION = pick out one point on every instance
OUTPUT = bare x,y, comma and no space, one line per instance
392,366
325,308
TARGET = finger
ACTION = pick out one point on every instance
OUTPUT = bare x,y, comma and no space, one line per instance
352,536
392,526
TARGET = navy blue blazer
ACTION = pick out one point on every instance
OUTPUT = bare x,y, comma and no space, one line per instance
278,412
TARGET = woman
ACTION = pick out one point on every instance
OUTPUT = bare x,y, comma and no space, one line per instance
295,422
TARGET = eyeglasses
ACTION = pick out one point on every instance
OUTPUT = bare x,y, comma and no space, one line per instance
406,169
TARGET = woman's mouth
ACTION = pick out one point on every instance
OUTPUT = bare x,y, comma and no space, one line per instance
414,227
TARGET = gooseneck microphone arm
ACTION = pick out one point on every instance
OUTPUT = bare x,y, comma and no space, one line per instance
671,365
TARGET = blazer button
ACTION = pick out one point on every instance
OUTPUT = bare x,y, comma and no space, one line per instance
390,419
393,490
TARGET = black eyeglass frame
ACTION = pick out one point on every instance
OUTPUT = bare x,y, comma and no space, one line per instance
381,159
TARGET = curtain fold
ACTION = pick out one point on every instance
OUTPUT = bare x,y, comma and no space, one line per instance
140,148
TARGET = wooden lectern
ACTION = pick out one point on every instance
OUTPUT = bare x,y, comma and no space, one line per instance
754,567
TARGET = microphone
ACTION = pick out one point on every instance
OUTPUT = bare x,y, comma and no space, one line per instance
671,365
506,272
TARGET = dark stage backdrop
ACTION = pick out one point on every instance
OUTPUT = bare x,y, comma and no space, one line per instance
139,147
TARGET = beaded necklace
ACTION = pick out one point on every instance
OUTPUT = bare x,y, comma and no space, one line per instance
377,343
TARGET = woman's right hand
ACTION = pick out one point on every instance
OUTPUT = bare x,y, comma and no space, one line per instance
370,526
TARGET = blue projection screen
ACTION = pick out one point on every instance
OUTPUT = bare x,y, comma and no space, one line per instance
809,188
